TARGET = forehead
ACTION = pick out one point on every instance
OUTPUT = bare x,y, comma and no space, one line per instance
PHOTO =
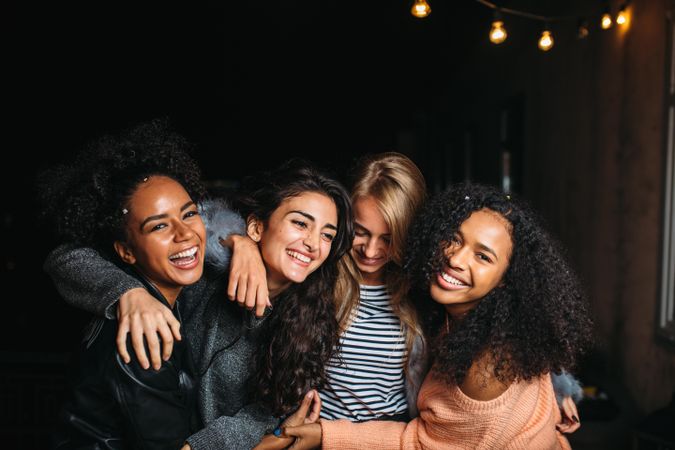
316,204
489,228
156,194
367,214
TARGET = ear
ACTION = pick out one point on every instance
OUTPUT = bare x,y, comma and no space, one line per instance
254,228
125,252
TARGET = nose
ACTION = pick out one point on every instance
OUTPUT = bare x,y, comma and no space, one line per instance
457,258
183,232
370,248
311,241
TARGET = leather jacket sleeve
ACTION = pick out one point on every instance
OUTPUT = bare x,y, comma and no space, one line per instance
114,405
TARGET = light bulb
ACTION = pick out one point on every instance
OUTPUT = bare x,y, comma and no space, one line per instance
497,32
582,31
420,9
622,17
546,41
606,21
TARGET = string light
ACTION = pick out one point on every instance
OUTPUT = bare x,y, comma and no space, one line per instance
420,9
497,32
606,20
622,17
545,41
582,29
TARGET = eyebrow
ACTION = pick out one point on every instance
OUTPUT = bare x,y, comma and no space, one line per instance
481,246
488,249
164,216
356,224
311,217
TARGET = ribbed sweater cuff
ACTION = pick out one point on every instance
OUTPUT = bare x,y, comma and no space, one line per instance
199,440
373,435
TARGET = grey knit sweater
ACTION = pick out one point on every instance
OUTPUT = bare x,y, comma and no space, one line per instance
221,335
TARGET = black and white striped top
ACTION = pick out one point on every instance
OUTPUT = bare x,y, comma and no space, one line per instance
366,380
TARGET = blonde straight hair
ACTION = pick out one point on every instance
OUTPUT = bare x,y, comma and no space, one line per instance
398,188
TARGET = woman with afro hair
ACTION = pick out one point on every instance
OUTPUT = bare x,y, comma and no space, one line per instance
501,310
139,206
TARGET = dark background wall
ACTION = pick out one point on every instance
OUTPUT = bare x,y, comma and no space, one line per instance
254,83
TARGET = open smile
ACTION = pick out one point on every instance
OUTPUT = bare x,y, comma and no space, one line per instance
185,259
451,282
299,258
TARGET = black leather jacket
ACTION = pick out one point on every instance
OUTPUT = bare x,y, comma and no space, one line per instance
114,405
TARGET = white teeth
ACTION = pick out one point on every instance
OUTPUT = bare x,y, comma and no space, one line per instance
452,280
299,256
185,253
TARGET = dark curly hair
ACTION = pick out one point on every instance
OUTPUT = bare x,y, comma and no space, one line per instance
84,199
302,332
535,322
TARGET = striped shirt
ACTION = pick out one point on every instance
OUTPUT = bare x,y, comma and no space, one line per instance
366,379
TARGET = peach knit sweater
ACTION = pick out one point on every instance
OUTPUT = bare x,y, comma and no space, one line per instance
523,417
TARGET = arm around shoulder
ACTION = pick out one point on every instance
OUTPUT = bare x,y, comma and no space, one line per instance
86,280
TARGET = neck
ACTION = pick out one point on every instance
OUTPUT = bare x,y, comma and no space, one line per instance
373,279
458,312
275,288
170,294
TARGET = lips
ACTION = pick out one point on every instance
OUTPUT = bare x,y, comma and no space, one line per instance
368,261
449,280
185,259
299,257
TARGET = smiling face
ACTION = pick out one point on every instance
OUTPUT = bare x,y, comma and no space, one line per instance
476,261
372,241
165,236
296,239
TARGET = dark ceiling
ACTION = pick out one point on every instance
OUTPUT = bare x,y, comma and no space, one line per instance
322,79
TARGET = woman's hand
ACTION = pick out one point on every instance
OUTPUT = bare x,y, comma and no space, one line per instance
570,417
141,314
301,416
248,279
306,436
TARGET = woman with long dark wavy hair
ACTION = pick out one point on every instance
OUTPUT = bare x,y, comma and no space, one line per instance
301,221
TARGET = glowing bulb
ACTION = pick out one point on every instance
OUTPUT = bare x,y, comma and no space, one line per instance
498,33
546,41
606,21
582,31
622,18
420,9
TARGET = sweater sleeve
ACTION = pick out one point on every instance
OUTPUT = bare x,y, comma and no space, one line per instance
88,281
374,434
220,222
242,431
524,416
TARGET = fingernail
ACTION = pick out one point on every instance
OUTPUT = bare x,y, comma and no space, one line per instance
310,394
576,419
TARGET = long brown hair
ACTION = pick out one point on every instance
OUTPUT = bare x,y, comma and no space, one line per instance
398,188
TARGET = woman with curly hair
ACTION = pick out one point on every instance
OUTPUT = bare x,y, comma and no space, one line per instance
301,221
502,310
140,207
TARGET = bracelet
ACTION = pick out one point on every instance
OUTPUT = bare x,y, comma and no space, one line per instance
277,432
